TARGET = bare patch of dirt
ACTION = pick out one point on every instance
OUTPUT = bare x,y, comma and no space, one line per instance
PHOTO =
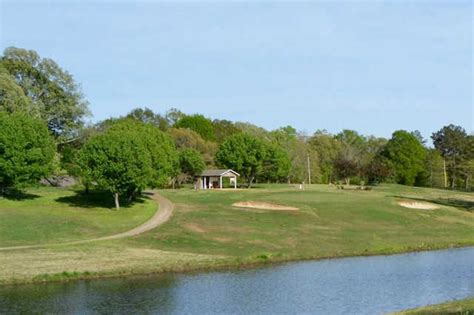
262,206
195,228
418,205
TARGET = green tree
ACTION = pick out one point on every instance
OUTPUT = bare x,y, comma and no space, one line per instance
50,89
243,153
163,154
277,164
188,139
453,144
191,162
346,163
147,116
407,156
26,150
223,129
12,97
118,161
327,148
199,124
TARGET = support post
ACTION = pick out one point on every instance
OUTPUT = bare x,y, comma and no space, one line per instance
205,182
235,182
220,182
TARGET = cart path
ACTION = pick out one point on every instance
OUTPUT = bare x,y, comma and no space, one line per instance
162,214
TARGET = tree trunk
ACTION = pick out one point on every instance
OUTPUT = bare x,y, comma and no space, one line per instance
249,182
117,203
348,181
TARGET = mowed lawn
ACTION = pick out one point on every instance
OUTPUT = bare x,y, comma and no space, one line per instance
54,215
330,222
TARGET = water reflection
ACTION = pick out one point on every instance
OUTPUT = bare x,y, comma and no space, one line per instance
369,285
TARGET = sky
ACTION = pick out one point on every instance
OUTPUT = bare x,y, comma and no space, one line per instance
372,66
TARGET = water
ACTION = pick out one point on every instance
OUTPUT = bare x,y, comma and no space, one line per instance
364,285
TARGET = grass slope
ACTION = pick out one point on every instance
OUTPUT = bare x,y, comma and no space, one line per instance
53,215
205,231
462,307
330,223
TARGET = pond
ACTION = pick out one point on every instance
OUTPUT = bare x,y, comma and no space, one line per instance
361,285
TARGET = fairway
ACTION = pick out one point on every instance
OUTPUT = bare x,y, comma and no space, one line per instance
205,231
330,222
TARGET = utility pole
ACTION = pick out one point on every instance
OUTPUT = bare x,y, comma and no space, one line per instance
309,169
445,175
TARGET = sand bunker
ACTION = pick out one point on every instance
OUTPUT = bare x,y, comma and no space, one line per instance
418,205
262,205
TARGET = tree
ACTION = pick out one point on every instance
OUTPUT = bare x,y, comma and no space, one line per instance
188,139
277,164
298,151
243,153
223,129
27,151
163,154
346,163
327,148
379,169
118,161
147,116
12,97
191,162
50,89
452,142
407,156
199,124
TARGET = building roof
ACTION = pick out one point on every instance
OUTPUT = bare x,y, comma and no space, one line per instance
218,172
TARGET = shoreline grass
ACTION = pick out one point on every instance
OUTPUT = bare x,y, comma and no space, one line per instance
457,307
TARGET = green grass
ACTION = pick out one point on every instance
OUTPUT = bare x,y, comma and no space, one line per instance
330,223
461,307
206,231
52,215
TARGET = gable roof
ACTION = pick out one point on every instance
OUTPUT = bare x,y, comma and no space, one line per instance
218,172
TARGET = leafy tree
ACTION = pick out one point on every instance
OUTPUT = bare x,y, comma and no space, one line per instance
118,161
407,156
277,164
191,162
163,154
199,124
223,129
298,151
50,89
147,116
243,153
379,169
453,144
12,97
26,150
327,148
173,115
346,163
188,139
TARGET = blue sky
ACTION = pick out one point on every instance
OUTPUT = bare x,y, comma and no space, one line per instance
372,66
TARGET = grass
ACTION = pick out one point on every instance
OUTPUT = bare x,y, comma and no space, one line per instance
461,307
53,215
330,223
205,231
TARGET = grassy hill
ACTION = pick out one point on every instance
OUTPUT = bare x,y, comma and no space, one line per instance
206,231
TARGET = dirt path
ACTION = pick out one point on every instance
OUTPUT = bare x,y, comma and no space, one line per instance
163,213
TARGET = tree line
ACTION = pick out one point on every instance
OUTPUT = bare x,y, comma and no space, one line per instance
43,132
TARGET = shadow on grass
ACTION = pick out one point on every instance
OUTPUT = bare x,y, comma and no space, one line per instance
15,194
97,199
462,204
